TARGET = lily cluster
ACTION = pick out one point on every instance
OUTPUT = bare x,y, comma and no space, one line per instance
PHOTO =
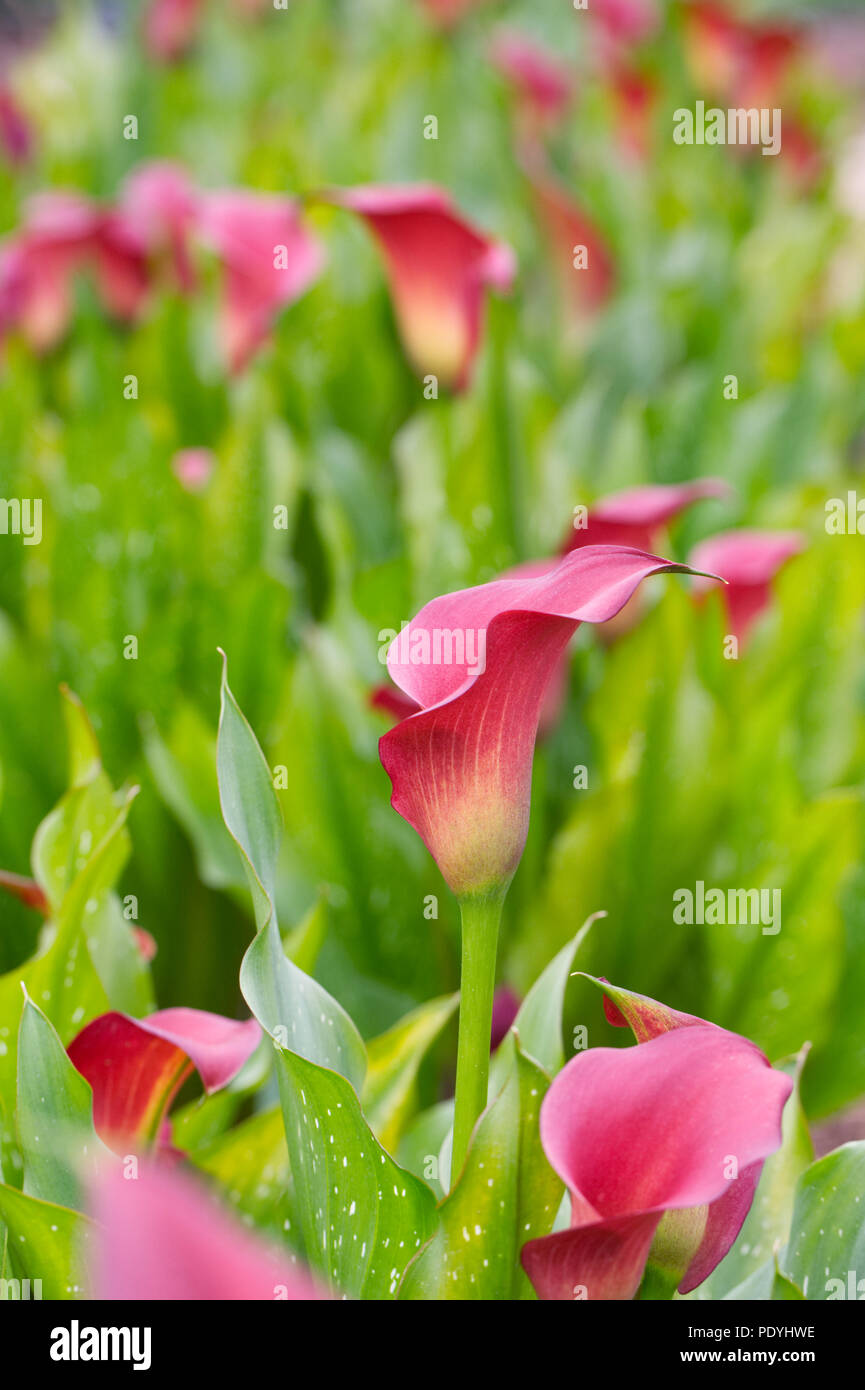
438,265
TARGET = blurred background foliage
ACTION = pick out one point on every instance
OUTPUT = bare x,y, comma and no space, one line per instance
744,773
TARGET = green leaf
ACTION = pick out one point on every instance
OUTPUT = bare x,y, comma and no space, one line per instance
303,943
55,1114
250,1163
394,1060
506,1194
183,769
362,1216
825,1254
47,1242
249,805
289,1004
766,1284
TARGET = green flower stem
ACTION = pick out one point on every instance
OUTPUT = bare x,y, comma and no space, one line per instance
480,936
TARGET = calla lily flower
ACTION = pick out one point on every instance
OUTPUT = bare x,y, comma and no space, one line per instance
269,260
438,268
391,701
638,515
628,20
661,1147
749,561
478,662
543,85
162,1237
135,1066
193,468
566,228
447,13
62,234
171,27
26,890
735,58
16,134
506,1006
159,199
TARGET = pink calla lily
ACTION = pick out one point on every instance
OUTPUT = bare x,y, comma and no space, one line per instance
661,1147
135,1066
159,199
171,27
447,13
479,663
638,515
749,561
269,260
16,133
438,267
161,1237
544,86
64,233
626,21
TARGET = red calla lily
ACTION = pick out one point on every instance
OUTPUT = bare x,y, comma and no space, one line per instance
738,59
161,1236
479,662
749,560
661,1147
135,1066
26,890
269,260
567,227
438,267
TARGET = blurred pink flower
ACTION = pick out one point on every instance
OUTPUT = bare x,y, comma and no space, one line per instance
62,234
506,1006
161,1237
661,1147
638,515
738,59
171,27
571,233
544,85
449,12
438,267
749,561
16,133
161,202
269,260
193,468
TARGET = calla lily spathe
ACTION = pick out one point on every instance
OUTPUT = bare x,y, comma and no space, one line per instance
136,1066
162,1237
660,1146
461,766
749,561
439,268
